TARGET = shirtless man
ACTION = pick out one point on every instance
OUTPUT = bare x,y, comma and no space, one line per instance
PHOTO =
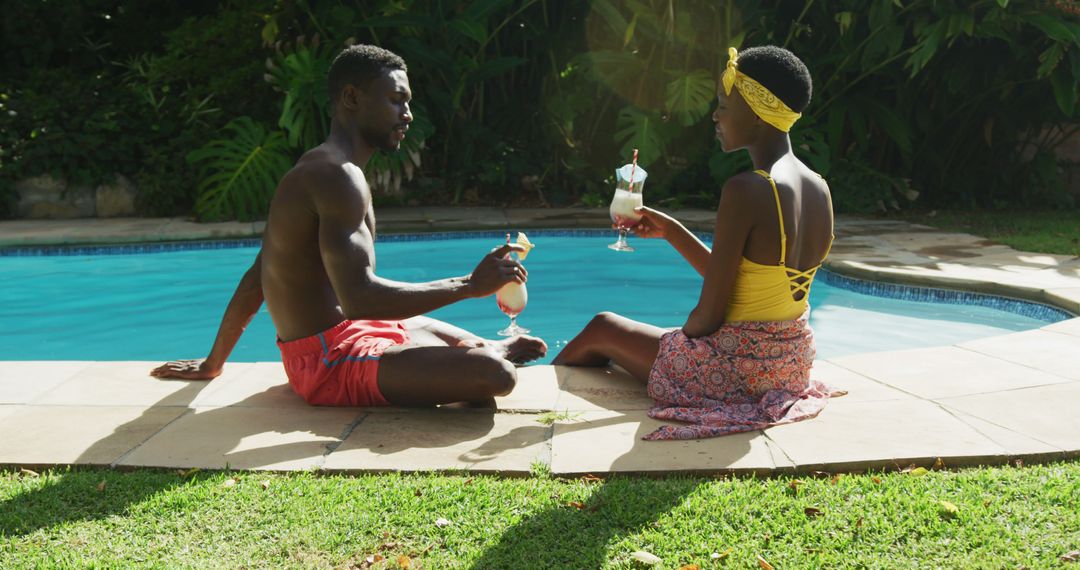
347,336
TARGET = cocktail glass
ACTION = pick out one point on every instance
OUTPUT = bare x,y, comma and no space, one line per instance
629,182
512,299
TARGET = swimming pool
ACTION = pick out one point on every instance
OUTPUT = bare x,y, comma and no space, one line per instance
92,304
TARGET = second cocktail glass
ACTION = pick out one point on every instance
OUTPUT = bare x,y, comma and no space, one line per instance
513,297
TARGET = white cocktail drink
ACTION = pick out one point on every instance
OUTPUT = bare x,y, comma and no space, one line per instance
622,209
629,180
512,299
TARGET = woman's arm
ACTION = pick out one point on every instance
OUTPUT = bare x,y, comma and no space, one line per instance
734,219
656,224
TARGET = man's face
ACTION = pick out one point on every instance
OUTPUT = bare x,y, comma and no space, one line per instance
385,114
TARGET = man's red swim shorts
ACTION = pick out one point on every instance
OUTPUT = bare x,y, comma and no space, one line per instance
339,366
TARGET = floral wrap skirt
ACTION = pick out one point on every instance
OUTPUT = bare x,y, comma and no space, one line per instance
745,376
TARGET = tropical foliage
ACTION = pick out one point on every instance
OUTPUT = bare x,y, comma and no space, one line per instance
239,174
934,103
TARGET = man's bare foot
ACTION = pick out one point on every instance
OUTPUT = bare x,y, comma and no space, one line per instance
517,349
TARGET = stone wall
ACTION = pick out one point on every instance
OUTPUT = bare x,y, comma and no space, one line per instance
45,197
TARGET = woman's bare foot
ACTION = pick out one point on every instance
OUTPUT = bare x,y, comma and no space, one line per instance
516,349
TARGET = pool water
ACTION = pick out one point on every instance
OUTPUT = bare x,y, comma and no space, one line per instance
159,306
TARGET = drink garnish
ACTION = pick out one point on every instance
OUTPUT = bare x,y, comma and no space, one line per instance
523,240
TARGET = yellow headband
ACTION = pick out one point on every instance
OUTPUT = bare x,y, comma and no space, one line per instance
764,104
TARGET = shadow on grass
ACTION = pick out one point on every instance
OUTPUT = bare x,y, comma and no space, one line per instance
70,495
566,536
580,535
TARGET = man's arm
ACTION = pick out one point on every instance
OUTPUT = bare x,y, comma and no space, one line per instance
242,307
348,254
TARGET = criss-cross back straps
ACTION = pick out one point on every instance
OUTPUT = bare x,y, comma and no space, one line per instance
803,287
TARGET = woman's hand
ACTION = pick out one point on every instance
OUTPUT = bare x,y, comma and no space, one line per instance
654,223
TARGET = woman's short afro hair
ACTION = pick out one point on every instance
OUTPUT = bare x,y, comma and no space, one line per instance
780,72
358,64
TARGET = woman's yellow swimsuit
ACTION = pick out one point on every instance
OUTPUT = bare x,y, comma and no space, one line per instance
767,292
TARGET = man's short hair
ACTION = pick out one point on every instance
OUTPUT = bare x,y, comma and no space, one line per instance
779,71
359,64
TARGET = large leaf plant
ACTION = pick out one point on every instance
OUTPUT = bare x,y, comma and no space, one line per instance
239,174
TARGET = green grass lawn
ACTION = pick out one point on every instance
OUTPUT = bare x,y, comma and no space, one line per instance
1005,517
1055,231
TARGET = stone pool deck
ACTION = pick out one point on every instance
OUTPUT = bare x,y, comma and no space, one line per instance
987,401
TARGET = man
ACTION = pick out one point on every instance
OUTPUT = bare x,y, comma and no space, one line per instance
347,336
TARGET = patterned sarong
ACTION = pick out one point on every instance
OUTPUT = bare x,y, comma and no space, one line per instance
743,377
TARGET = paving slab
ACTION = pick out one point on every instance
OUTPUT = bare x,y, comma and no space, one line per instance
942,372
124,384
1070,327
520,218
260,384
610,442
51,232
1019,260
460,219
1014,443
852,435
21,382
70,435
1048,351
599,388
403,219
238,437
1067,298
858,387
537,390
1044,413
478,441
8,409
183,228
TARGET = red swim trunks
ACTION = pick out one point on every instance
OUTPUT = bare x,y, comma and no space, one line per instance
339,366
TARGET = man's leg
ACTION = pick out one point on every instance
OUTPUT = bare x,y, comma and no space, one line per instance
413,375
445,364
612,338
426,331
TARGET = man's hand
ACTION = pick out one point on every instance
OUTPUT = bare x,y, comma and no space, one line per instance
495,270
653,223
187,370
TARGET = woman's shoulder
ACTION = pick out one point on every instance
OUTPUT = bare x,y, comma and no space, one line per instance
745,184
811,178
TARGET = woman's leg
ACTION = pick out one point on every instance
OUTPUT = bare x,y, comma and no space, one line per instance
612,338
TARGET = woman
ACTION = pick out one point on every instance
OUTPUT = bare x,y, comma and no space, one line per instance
742,359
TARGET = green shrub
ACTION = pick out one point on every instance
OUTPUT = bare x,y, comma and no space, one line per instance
950,102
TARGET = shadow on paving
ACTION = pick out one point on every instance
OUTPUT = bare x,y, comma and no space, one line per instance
72,495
